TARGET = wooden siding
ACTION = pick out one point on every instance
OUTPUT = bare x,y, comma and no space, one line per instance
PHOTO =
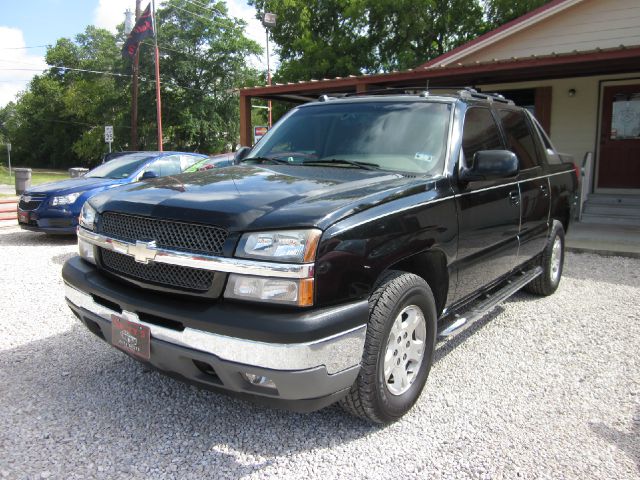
589,25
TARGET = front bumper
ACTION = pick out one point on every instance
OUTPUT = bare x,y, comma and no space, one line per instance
306,375
49,220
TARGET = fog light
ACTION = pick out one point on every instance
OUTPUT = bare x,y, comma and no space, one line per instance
86,250
254,379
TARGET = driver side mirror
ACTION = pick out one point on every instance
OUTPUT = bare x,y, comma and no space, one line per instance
491,165
240,154
149,174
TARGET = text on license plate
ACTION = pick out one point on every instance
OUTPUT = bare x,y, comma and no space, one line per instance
131,337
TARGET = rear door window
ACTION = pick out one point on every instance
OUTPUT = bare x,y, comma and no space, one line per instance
166,166
519,137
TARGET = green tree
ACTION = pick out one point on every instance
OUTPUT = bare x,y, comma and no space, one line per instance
59,120
203,62
330,38
499,12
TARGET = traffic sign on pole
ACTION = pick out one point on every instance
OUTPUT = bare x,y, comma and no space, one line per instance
108,135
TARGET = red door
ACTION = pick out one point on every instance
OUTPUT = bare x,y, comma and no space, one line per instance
619,162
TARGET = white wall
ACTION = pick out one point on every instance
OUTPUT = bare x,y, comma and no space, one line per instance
589,25
574,120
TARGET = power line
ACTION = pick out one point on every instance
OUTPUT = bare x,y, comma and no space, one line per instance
64,69
30,64
205,7
193,14
84,124
23,48
99,72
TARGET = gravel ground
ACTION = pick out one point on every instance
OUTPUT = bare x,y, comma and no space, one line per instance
542,388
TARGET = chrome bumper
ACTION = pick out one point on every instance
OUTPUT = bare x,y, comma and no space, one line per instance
336,353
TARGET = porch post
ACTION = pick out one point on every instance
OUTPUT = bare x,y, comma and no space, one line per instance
543,107
361,87
245,120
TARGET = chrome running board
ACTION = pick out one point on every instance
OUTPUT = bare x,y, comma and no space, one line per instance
459,322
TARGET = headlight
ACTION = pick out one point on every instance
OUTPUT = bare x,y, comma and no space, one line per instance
272,290
65,199
87,216
286,245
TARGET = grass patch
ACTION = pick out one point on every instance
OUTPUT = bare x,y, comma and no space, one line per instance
38,176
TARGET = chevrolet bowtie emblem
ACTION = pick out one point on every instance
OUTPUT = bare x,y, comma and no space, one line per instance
143,252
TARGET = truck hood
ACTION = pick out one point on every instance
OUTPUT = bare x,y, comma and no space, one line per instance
72,185
248,198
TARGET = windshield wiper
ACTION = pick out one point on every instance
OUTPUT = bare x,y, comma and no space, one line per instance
268,159
363,165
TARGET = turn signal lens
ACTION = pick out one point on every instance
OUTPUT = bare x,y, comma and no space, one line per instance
271,290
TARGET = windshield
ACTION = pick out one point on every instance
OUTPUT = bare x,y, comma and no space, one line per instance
121,167
398,136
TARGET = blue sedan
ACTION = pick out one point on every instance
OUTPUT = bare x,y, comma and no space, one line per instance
54,207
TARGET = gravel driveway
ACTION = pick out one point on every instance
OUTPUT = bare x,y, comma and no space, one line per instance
542,388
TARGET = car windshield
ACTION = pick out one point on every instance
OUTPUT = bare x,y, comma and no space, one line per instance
120,167
398,136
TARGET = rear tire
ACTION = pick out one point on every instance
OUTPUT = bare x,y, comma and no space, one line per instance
552,262
398,351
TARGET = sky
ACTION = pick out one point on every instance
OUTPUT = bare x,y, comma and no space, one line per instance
26,27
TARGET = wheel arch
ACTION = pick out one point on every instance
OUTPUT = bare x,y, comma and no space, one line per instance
431,266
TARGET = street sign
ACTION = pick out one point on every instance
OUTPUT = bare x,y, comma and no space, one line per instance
108,133
258,133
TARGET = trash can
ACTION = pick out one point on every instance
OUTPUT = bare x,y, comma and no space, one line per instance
23,179
77,172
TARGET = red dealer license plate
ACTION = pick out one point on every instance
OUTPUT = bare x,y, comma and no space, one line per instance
23,217
131,337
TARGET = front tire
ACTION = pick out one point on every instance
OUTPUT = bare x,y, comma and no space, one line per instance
552,262
398,351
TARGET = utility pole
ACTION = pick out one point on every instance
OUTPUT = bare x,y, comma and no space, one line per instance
157,57
134,90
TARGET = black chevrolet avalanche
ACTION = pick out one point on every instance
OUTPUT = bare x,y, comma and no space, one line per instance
326,263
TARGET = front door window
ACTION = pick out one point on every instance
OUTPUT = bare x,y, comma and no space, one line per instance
625,117
619,154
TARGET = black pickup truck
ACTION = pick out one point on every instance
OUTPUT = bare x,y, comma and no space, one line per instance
324,266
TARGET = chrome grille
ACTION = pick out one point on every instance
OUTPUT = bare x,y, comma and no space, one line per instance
157,273
168,234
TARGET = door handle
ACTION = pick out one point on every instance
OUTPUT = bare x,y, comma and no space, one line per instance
514,197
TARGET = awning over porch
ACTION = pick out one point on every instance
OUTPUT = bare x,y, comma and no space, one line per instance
536,67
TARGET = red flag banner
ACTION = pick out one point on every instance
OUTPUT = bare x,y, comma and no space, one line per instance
142,29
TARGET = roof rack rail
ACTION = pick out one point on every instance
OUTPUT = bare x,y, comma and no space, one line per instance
421,90
491,97
464,92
